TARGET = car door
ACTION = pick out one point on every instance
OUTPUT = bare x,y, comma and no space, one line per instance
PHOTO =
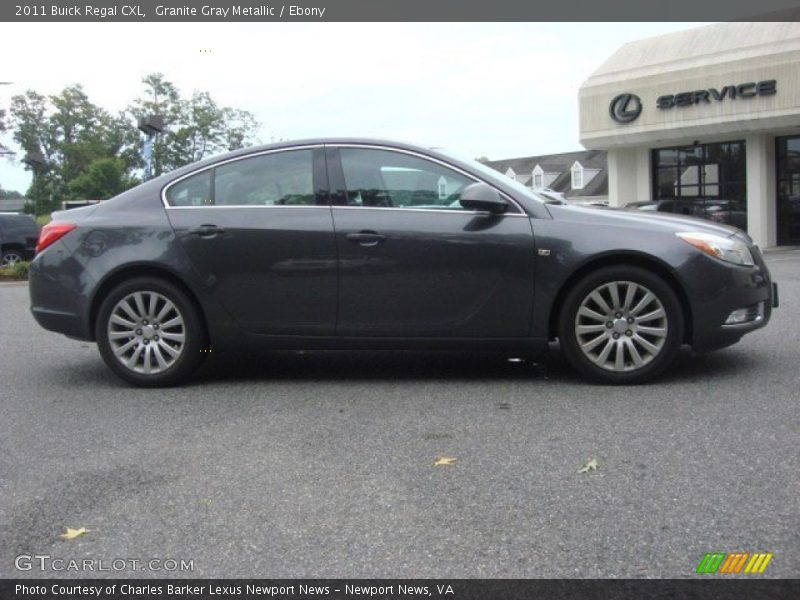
413,262
259,231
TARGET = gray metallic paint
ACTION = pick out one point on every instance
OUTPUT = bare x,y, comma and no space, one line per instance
444,280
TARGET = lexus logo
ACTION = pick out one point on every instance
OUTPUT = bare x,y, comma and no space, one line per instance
625,108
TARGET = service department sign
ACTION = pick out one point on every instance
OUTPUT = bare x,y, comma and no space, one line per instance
625,108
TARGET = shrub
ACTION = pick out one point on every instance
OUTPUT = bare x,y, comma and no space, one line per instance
15,271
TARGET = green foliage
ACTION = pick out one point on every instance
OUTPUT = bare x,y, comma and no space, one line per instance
9,194
16,271
103,178
196,127
71,133
43,220
92,154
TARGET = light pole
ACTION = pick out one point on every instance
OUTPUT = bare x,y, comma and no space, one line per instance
3,149
35,160
151,126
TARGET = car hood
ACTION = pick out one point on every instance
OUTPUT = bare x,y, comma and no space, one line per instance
660,222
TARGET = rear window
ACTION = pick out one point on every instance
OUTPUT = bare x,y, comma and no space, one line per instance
192,191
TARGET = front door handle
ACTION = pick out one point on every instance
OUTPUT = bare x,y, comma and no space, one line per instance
366,238
207,230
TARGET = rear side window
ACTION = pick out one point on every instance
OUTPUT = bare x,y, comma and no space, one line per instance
192,191
278,179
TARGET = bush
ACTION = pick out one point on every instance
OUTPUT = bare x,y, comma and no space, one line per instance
16,271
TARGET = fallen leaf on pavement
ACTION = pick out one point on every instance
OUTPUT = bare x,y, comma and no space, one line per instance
589,466
443,461
73,533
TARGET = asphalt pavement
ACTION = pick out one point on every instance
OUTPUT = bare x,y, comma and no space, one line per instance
299,465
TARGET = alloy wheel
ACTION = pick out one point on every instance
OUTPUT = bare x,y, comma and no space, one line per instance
146,332
10,259
621,326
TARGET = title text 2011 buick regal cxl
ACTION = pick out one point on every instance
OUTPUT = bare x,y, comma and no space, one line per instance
365,244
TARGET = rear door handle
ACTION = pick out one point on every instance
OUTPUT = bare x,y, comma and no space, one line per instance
207,230
366,238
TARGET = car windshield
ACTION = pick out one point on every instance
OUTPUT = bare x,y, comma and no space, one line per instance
491,174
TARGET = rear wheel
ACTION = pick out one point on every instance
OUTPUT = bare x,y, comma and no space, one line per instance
150,333
621,324
10,257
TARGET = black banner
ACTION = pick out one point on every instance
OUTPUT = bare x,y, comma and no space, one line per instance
397,589
391,10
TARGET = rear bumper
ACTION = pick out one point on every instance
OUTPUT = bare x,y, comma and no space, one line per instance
59,288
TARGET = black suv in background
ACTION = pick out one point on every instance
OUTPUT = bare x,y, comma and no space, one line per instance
18,237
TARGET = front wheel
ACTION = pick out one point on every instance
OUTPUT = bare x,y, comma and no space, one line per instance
150,333
621,325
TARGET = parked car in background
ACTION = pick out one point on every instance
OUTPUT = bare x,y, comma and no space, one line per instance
681,207
728,212
365,244
18,236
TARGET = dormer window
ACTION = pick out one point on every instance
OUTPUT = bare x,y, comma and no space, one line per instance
538,178
510,173
577,176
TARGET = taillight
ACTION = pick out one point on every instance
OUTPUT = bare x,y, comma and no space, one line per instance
51,233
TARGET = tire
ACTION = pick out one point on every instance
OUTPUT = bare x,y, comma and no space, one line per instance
11,257
596,324
150,333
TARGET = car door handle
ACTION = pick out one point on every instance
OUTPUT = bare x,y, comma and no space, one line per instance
207,230
366,238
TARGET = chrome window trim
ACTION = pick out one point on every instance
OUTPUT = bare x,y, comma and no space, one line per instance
466,174
166,187
426,210
522,212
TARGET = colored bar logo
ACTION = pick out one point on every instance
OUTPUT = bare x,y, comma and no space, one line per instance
734,563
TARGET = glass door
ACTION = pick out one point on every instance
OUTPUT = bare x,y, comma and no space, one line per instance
788,176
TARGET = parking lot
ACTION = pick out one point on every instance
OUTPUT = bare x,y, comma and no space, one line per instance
323,465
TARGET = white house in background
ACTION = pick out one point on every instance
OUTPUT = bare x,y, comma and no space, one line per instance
581,176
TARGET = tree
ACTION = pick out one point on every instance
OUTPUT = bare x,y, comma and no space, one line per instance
71,133
9,194
104,178
90,153
196,127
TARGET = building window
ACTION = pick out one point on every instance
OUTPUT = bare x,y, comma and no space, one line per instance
788,176
704,180
538,178
577,176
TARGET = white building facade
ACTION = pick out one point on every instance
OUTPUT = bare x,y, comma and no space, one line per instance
704,122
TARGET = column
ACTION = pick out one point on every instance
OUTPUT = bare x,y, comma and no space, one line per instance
761,201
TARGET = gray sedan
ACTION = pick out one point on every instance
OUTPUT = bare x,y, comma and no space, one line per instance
362,244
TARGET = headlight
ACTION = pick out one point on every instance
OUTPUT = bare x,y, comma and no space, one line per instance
724,248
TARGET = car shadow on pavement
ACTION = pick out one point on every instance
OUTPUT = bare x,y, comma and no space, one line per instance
408,366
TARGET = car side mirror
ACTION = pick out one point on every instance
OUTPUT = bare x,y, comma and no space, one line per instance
482,197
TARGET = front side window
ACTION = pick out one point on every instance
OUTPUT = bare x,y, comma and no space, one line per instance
387,179
277,179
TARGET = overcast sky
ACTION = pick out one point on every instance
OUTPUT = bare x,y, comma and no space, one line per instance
494,89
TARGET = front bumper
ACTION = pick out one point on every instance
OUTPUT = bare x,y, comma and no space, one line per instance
742,288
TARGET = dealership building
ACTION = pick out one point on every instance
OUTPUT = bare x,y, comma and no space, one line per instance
705,122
